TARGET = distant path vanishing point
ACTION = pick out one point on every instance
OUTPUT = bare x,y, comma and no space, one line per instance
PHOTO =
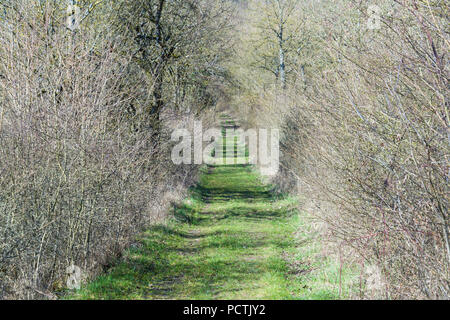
231,239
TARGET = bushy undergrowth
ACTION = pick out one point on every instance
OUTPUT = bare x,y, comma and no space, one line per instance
365,121
84,165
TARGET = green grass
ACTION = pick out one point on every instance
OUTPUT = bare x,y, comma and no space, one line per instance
232,239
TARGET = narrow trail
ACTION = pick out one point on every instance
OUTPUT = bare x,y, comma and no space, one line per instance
232,239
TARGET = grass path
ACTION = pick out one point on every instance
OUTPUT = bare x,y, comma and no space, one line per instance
230,240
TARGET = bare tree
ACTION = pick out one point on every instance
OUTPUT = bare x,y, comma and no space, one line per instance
81,173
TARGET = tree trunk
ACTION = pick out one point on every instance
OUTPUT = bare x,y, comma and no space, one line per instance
158,88
282,66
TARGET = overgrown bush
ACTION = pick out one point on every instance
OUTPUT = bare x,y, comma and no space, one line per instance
82,170
365,121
